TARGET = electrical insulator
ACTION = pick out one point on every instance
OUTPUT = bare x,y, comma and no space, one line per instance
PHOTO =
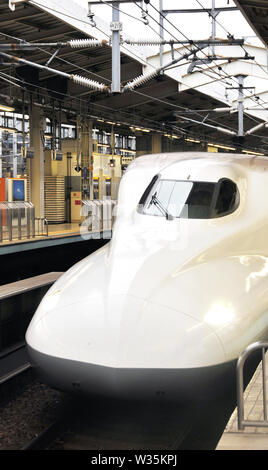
88,83
143,42
141,80
86,43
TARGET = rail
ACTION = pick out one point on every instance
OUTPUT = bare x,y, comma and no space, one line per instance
17,220
240,386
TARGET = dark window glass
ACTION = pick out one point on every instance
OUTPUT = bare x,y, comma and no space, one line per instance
227,197
189,199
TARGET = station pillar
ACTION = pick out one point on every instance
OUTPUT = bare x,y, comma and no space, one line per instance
147,144
86,159
35,165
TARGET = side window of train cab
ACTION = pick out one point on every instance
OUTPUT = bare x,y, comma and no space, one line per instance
189,199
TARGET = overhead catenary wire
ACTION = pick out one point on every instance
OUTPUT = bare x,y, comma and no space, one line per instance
230,77
58,57
191,42
74,65
52,9
153,98
146,77
147,95
86,22
230,35
172,127
78,19
149,122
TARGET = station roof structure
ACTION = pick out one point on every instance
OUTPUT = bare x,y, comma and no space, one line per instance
256,13
154,105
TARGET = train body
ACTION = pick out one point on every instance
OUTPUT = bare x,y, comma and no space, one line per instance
167,306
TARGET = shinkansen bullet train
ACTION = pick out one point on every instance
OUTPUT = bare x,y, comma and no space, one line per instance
168,305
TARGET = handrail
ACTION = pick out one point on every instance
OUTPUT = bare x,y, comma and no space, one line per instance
240,386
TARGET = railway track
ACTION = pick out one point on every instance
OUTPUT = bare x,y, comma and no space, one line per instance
99,424
92,424
13,363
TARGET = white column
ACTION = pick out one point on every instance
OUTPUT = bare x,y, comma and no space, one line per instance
37,123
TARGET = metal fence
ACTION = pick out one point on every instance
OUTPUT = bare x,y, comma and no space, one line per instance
240,386
17,221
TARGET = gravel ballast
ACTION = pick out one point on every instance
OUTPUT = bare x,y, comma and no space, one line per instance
26,413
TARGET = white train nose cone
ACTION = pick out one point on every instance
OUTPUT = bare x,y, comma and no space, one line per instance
124,332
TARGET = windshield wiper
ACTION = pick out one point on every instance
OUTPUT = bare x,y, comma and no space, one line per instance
158,204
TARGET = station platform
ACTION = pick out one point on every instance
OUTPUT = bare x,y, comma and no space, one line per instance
57,235
53,230
251,438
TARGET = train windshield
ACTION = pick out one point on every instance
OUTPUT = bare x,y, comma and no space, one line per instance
189,199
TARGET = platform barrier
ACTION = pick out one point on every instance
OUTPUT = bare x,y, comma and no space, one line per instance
17,221
99,215
41,226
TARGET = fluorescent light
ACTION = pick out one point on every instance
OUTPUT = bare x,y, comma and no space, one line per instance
250,152
194,140
128,151
9,109
225,147
8,129
221,146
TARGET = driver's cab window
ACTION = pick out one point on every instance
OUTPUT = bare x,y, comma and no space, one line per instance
189,199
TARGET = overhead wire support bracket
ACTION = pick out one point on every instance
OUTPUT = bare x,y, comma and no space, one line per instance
172,42
209,59
73,43
141,79
84,81
202,123
256,128
52,57
199,10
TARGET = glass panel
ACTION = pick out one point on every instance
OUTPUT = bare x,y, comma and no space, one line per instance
189,199
227,197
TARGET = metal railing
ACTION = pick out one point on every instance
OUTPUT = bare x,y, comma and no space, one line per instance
17,220
240,386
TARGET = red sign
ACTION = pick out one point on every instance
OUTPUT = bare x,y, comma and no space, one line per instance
2,189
